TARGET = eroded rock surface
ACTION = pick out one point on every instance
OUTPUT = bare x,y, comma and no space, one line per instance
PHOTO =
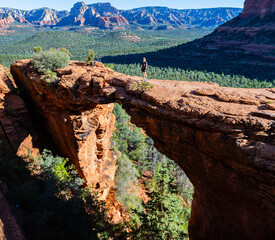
4,22
16,130
223,138
81,131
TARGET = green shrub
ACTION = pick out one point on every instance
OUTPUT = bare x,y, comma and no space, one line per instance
63,181
142,86
90,57
165,217
37,49
54,167
50,77
110,65
126,178
50,60
65,50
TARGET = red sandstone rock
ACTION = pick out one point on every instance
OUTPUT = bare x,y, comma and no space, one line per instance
223,138
103,22
106,22
119,20
4,22
15,131
16,128
80,133
79,21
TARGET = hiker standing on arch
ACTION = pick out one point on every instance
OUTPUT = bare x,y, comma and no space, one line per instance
144,69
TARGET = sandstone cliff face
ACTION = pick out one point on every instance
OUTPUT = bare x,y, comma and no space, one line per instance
4,22
256,20
16,129
106,16
223,138
81,133
17,133
42,16
101,15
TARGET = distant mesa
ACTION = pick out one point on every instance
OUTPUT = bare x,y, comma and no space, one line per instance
105,16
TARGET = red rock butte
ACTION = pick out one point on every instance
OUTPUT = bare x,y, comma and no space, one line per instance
223,138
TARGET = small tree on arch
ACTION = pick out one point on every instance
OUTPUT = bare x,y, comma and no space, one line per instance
90,57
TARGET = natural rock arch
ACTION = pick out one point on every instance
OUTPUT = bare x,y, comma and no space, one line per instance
223,138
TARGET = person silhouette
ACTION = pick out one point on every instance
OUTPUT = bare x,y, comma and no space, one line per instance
144,67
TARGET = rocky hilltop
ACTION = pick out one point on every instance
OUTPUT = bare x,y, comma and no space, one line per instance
104,15
223,138
5,20
186,18
43,16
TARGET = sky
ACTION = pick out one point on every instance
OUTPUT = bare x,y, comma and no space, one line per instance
122,4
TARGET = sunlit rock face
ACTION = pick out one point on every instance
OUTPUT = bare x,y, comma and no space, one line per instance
16,129
223,138
81,133
4,22
42,16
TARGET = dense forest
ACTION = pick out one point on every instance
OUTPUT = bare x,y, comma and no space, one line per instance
163,49
188,57
168,73
104,42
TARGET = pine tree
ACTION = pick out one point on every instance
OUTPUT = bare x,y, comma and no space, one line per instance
164,216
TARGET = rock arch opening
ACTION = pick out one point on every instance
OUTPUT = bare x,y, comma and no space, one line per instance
139,166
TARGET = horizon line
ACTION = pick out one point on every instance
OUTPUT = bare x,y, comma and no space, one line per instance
127,9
